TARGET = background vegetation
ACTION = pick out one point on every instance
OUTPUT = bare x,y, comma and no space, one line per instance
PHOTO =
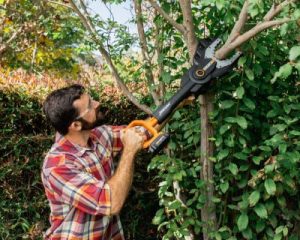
256,116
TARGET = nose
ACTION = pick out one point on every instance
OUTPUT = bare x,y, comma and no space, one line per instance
95,104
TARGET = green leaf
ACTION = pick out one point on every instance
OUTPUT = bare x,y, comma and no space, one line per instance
277,237
220,4
158,217
230,119
175,205
233,168
285,231
166,77
260,225
295,133
249,74
261,211
243,221
279,229
247,234
224,128
253,11
272,113
160,58
224,187
285,70
249,103
222,154
269,168
242,122
226,104
281,201
240,91
257,159
294,53
263,50
270,186
254,198
242,61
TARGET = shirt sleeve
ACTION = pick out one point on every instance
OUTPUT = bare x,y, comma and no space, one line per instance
115,136
81,190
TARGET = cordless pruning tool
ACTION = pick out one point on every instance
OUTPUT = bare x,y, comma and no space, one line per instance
194,82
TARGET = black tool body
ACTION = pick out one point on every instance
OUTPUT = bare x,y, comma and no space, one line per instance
195,81
192,82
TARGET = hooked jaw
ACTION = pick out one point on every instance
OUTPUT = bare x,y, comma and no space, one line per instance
210,53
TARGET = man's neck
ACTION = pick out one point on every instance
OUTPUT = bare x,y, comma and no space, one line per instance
79,138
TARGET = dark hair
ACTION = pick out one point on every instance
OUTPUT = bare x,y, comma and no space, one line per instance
58,107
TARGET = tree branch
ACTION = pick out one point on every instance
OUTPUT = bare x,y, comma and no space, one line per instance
275,10
235,39
236,31
226,49
33,59
90,27
167,17
189,35
144,49
158,43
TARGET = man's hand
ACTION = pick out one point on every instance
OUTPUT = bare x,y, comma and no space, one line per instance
133,139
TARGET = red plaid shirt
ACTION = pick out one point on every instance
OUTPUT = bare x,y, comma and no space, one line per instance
75,179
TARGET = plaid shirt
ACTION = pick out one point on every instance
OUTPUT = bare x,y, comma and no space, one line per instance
75,179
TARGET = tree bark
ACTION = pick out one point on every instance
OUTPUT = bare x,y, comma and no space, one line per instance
208,213
145,53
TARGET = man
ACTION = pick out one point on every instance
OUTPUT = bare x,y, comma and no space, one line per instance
84,192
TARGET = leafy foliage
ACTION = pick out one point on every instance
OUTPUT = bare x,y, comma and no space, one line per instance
256,122
257,141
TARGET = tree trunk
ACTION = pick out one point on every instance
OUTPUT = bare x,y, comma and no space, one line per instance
208,213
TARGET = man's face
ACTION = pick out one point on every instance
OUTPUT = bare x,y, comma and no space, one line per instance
90,115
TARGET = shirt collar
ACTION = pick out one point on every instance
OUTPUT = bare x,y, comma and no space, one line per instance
65,145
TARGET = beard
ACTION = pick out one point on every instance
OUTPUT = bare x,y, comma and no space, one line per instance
100,116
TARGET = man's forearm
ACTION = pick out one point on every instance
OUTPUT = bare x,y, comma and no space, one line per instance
121,181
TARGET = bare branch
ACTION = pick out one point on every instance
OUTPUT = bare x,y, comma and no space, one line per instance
167,17
84,20
140,28
236,31
189,35
226,49
235,39
85,12
158,43
275,10
34,51
144,48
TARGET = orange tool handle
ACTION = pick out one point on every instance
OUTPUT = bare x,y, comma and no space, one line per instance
148,125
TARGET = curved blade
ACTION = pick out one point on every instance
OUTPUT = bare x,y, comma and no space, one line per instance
228,62
211,49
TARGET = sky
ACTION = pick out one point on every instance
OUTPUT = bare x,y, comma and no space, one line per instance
121,12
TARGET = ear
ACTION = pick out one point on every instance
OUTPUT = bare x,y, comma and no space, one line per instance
75,126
